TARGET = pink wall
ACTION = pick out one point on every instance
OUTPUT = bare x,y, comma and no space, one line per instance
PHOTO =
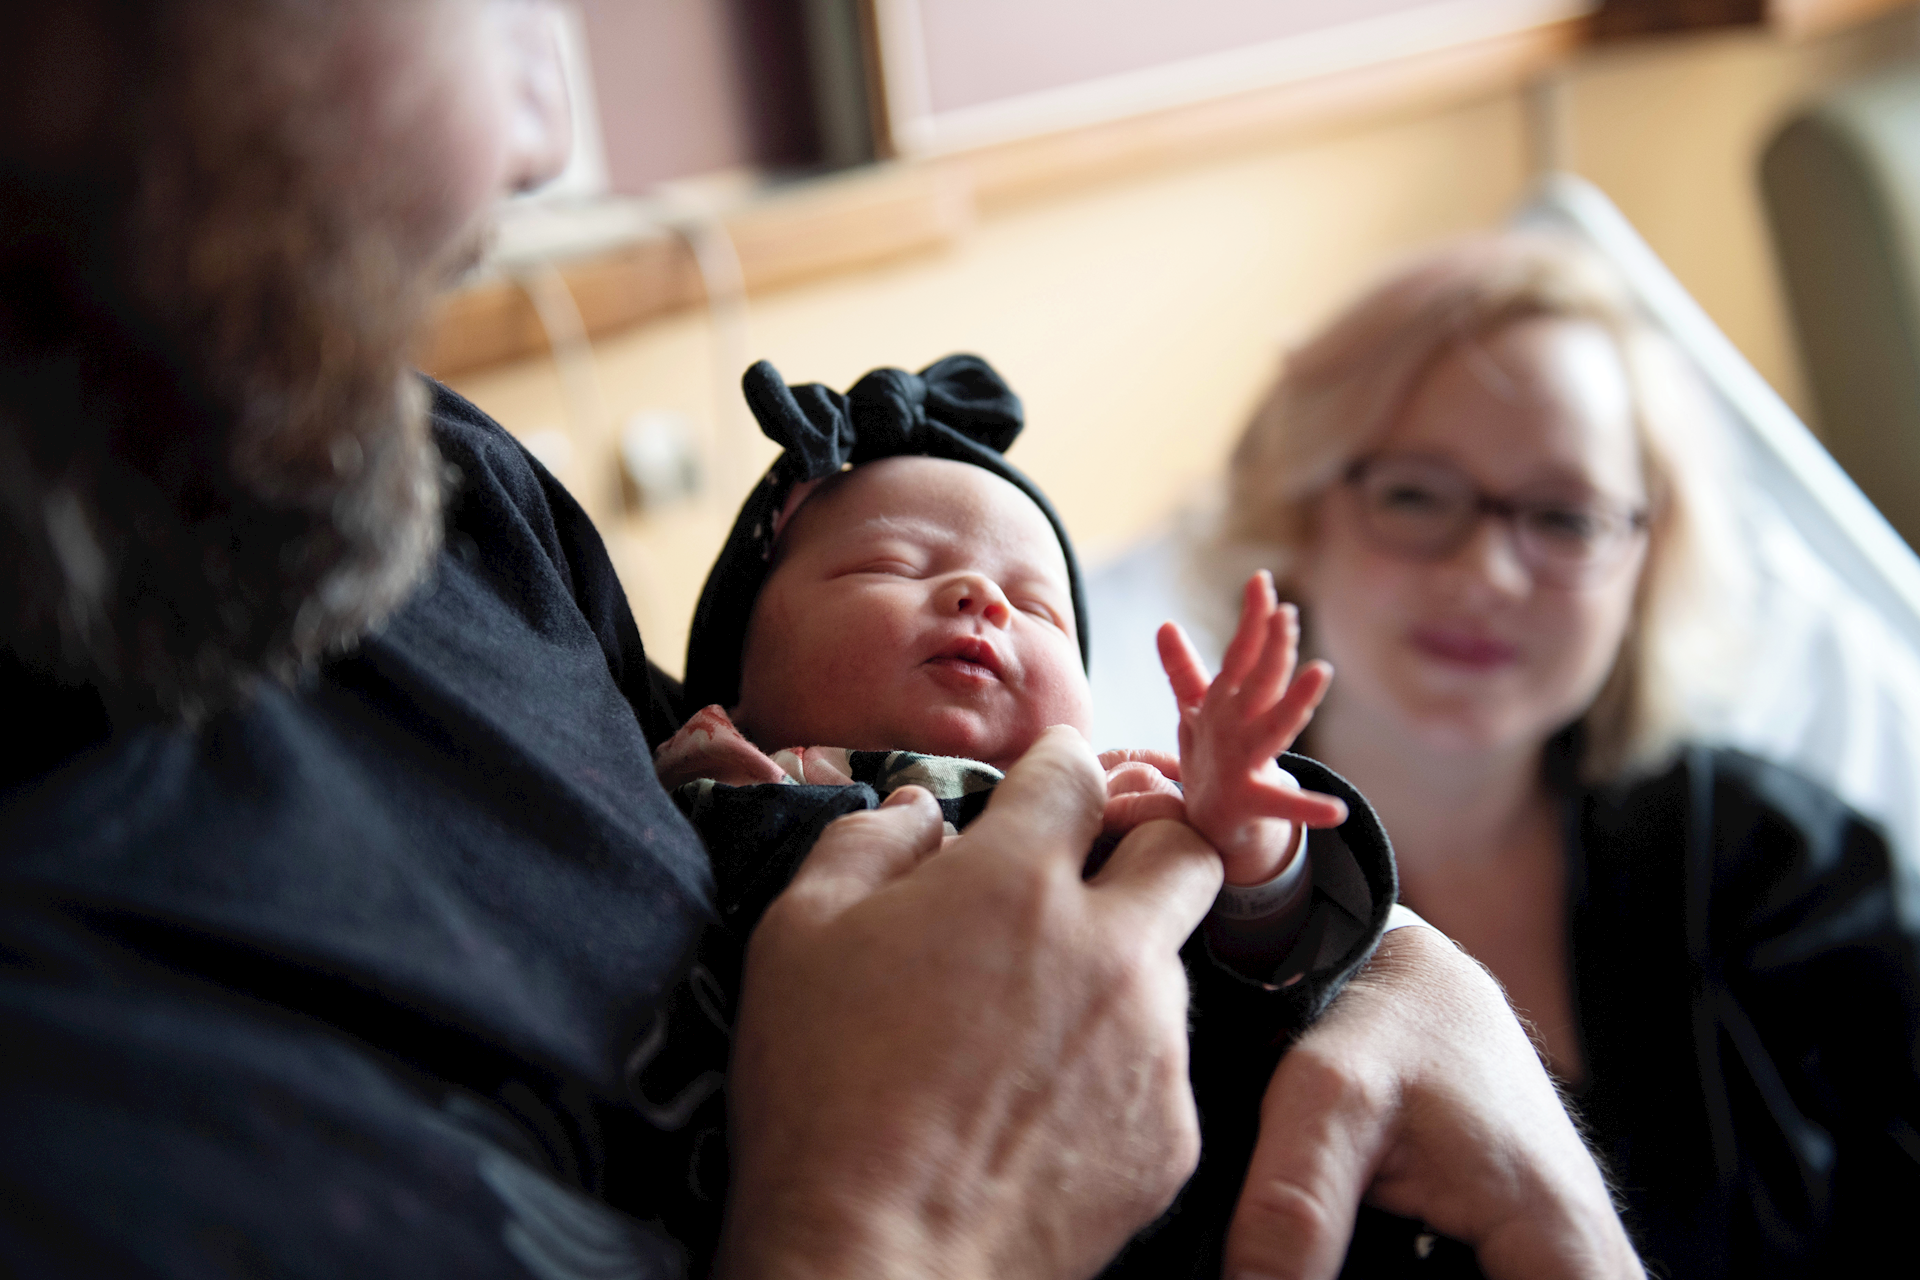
689,86
986,50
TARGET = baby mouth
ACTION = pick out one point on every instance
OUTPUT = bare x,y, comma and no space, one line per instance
969,656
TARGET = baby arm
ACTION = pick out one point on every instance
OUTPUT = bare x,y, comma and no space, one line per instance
1231,728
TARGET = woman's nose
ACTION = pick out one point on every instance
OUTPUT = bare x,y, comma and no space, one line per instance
1492,555
974,593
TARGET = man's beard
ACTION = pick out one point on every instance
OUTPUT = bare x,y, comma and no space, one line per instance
214,464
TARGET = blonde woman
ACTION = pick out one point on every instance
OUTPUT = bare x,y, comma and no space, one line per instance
1486,486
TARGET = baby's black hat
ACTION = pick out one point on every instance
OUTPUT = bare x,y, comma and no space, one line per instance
956,408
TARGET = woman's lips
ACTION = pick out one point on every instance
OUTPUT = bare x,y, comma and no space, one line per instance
1464,647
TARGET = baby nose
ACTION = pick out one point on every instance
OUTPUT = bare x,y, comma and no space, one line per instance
974,593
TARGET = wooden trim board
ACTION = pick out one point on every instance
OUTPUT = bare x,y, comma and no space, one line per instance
1793,19
1798,19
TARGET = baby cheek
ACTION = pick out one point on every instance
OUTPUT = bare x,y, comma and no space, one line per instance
1058,694
856,647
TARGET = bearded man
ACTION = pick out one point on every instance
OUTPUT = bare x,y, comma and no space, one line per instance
345,928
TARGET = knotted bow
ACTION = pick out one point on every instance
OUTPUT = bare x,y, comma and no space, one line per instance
958,403
956,408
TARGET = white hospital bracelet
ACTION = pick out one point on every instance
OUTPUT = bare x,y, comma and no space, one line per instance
1401,916
1269,897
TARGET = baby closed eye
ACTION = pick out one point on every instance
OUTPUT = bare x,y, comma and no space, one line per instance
889,569
1043,611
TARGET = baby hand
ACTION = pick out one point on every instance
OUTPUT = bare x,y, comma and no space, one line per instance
1232,727
708,746
1141,786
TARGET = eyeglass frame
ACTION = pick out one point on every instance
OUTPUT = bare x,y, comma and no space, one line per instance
1636,519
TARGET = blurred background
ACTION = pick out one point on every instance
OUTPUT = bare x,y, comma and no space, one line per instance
1131,208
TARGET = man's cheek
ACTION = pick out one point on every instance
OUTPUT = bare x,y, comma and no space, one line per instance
441,111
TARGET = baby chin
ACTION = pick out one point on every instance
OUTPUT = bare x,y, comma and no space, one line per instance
970,734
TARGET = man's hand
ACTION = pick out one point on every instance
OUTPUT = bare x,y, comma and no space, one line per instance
1233,725
967,1060
1420,1091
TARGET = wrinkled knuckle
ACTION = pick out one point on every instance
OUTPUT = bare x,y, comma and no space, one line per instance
1426,960
1165,1156
1130,976
1319,1083
1413,954
1183,1149
1035,898
1287,1210
862,826
847,829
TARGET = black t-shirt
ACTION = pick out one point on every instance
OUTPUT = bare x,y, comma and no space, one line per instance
351,983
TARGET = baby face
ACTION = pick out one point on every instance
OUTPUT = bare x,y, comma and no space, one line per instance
916,604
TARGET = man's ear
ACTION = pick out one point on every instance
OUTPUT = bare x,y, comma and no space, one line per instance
540,123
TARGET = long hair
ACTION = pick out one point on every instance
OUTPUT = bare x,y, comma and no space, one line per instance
1339,393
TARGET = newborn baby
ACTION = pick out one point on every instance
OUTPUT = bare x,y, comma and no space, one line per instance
916,623
896,605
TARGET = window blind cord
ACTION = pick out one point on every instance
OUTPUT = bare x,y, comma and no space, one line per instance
588,419
734,444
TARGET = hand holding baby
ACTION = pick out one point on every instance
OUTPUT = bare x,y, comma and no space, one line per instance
1007,1042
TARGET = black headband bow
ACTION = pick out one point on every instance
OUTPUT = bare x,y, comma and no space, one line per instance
888,412
956,408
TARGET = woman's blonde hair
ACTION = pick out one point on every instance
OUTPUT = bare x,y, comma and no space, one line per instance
1339,393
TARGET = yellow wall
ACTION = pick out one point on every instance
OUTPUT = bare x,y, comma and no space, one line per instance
1673,129
1139,320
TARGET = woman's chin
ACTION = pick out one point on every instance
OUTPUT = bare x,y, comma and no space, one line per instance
1470,727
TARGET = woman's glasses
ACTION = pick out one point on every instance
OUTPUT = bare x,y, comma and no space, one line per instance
1425,509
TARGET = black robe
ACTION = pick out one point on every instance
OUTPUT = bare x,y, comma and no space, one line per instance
1746,965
